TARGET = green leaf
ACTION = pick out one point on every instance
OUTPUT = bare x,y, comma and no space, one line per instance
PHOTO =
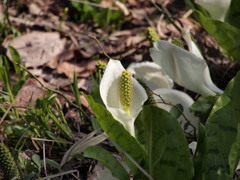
53,164
116,132
200,154
223,176
166,145
36,159
176,111
227,36
234,154
221,128
233,15
203,106
107,159
16,59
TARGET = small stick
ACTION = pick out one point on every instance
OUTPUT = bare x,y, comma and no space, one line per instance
165,14
164,102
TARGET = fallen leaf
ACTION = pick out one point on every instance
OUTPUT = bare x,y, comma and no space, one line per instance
29,93
66,55
82,70
37,48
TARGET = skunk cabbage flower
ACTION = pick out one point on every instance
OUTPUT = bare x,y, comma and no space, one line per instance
174,97
191,45
151,74
161,84
185,68
216,8
122,95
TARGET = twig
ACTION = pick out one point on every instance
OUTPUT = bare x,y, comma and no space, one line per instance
63,173
99,44
95,5
5,114
44,158
14,107
164,102
50,140
168,18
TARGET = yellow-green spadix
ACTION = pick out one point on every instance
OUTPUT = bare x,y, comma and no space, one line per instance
122,95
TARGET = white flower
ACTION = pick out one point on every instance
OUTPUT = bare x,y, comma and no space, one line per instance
216,8
191,45
161,84
150,73
185,68
174,97
110,94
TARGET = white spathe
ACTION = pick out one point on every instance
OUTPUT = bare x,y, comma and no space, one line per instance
151,74
174,97
184,68
110,94
216,8
191,45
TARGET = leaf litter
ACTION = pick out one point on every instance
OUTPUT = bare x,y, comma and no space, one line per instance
53,46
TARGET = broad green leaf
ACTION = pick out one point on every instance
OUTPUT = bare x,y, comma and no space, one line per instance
233,15
107,159
166,146
221,128
234,154
200,154
223,176
95,93
227,36
203,106
116,132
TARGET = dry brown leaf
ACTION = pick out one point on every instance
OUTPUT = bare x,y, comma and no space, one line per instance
134,40
69,68
66,55
29,93
122,7
82,69
37,48
34,9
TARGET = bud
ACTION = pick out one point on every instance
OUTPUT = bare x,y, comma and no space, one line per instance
152,35
177,41
7,163
126,89
101,67
149,92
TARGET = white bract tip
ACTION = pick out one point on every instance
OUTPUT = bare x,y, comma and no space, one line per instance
185,68
216,8
191,45
110,94
151,74
174,97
